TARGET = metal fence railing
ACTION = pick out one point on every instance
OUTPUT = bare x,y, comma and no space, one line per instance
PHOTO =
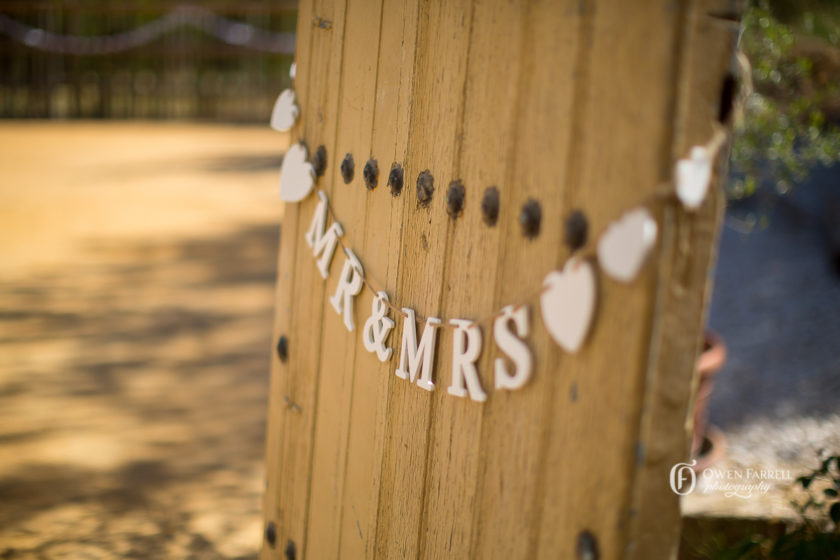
144,59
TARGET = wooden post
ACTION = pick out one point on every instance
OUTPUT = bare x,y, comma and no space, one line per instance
577,105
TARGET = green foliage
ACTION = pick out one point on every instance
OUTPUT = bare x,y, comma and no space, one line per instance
783,132
817,536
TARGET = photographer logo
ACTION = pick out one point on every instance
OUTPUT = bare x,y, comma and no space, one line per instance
683,478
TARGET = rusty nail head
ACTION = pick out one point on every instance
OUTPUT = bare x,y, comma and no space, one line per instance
291,550
455,198
319,161
490,206
576,230
347,168
271,534
587,546
395,179
371,174
425,187
530,218
283,348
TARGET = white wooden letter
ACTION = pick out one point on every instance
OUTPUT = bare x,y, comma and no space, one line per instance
466,347
378,327
414,356
513,347
323,242
349,286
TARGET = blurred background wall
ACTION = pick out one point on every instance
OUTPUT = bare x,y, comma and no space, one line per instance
146,59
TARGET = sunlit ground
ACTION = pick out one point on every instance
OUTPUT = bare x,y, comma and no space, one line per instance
136,294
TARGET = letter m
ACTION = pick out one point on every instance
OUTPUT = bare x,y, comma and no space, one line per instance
323,242
418,357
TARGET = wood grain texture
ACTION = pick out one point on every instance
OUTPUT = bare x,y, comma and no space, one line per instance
688,252
354,120
576,105
301,291
436,113
381,242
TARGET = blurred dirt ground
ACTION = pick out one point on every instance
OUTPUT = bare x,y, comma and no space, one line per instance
137,265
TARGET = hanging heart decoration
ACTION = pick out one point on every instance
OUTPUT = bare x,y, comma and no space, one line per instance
568,303
297,176
693,177
285,113
568,298
625,244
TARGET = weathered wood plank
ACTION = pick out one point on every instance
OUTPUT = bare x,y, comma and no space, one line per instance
621,132
318,125
354,123
488,124
439,77
286,272
514,477
381,243
684,287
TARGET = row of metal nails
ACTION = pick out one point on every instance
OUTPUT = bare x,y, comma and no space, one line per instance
530,216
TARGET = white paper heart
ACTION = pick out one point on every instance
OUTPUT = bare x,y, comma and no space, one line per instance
693,177
285,113
568,303
297,176
624,245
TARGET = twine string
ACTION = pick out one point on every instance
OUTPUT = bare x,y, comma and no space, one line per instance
228,31
663,193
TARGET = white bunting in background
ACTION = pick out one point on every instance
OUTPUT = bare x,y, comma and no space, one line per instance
322,240
568,303
622,248
514,347
349,285
466,347
378,327
693,177
414,358
285,113
293,70
297,176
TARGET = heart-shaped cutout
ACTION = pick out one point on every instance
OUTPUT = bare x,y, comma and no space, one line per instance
297,176
568,303
623,247
693,177
285,113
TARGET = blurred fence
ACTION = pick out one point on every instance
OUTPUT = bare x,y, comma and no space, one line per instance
144,58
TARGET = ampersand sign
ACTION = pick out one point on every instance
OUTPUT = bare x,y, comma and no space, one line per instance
377,328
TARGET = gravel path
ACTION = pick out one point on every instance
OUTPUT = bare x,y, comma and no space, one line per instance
777,304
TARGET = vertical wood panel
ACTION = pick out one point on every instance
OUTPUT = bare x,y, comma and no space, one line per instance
488,120
354,121
515,435
381,242
684,288
624,90
578,105
273,507
437,105
318,126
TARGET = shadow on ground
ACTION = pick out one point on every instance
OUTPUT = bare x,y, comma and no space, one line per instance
133,400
